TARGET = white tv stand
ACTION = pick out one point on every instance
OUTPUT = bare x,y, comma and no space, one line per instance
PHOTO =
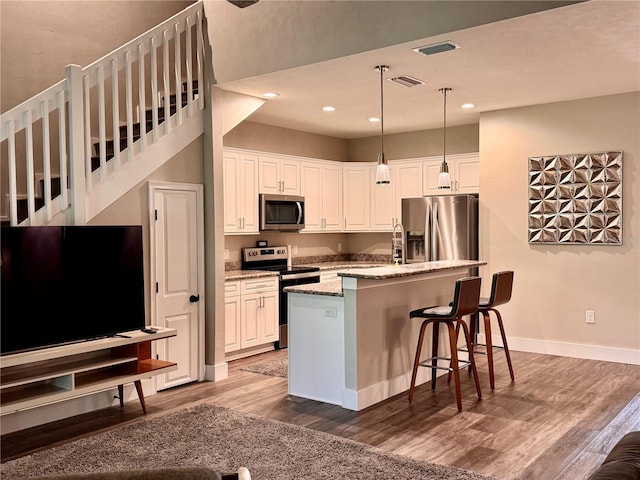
49,375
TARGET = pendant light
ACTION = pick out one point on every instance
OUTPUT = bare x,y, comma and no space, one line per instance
444,180
382,170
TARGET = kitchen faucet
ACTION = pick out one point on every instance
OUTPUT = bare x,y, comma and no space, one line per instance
397,244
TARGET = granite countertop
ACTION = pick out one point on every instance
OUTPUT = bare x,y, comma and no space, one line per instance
342,264
333,287
408,269
247,274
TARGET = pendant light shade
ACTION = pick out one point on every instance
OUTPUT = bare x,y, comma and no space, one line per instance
444,180
382,170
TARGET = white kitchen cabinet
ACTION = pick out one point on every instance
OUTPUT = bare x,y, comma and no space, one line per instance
232,316
463,170
386,200
321,187
279,175
251,313
356,197
240,173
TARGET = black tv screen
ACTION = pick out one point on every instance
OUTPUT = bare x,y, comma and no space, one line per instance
68,284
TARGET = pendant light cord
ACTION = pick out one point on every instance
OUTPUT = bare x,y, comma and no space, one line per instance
444,133
382,68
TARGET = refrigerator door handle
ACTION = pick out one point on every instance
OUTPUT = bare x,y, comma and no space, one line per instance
435,225
427,234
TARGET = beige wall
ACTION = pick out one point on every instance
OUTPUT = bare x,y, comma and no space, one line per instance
40,38
423,143
265,138
133,207
555,284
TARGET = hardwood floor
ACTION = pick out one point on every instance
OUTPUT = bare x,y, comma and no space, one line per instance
558,420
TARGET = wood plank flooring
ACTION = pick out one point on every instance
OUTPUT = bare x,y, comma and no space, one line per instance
558,420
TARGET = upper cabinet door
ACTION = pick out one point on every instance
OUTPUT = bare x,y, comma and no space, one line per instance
467,174
290,176
269,180
240,174
383,202
279,175
357,180
311,190
332,197
463,170
321,187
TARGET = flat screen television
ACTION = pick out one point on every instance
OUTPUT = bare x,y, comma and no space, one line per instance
64,284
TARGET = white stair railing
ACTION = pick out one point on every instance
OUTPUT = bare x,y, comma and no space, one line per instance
86,129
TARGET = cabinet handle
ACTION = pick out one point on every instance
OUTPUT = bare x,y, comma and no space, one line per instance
243,223
239,222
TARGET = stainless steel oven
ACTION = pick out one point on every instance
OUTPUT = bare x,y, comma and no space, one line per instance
281,212
275,259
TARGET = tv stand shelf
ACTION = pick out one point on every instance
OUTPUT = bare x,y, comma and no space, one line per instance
49,375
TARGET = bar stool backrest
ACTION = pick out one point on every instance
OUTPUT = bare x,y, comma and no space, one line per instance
466,296
501,287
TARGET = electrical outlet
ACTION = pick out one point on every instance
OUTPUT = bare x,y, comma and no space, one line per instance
339,247
330,312
590,316
295,249
226,254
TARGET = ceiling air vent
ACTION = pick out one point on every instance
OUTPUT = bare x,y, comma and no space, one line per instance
406,81
437,48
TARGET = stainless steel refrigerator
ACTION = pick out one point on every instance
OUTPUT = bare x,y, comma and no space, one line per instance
440,227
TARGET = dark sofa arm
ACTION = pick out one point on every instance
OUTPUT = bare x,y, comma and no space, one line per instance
623,462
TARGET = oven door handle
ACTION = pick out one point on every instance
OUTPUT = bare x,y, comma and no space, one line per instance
297,276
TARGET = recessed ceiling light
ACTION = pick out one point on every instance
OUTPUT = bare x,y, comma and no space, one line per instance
329,108
467,105
270,94
374,119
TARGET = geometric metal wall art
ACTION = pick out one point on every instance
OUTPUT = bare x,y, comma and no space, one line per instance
576,199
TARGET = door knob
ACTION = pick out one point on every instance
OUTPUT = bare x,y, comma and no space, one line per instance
194,298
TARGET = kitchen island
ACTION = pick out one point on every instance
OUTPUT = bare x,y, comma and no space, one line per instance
351,342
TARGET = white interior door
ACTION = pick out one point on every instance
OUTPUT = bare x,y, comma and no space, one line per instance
177,258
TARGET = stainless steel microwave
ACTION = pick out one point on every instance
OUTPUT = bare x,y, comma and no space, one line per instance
281,212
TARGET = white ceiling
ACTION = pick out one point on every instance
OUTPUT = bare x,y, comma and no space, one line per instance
583,50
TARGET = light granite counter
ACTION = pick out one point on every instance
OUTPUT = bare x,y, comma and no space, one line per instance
247,274
351,341
333,287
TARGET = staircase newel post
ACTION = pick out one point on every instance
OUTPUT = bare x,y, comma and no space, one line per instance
77,177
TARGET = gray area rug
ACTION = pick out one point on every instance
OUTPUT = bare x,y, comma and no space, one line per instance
275,368
224,439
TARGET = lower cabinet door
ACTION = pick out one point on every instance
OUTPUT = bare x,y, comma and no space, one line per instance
232,315
269,321
250,320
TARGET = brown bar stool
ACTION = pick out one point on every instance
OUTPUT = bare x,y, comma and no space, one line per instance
465,302
501,287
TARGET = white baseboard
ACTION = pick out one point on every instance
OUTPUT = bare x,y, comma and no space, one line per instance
360,399
575,350
215,373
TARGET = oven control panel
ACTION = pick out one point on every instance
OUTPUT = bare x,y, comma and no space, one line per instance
257,254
